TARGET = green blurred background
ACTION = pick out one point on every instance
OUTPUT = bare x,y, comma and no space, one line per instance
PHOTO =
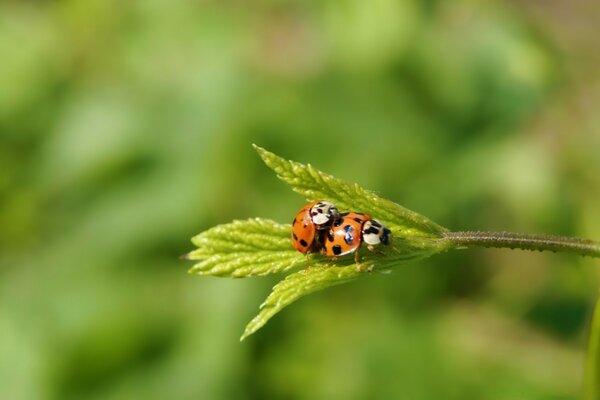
126,128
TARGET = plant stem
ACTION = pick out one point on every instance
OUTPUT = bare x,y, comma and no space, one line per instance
504,240
591,383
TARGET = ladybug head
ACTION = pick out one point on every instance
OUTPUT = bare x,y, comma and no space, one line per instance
374,233
323,214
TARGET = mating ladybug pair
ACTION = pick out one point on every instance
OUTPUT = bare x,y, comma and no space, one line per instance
320,228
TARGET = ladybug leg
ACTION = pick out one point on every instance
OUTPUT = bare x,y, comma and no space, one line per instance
362,268
307,262
375,249
359,265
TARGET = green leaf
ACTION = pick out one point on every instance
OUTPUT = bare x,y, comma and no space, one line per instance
297,285
314,184
326,273
259,247
239,249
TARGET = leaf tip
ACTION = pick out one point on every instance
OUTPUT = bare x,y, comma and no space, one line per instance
193,270
254,325
247,332
260,150
268,158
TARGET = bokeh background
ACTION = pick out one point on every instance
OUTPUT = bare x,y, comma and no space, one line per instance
126,128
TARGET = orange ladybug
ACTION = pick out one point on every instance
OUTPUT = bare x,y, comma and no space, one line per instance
350,231
313,217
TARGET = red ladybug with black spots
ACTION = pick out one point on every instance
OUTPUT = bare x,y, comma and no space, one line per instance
314,217
350,231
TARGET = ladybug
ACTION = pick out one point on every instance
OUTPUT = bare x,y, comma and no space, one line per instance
315,216
350,231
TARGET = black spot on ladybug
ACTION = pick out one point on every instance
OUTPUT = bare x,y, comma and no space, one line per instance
348,228
330,236
385,239
305,225
359,220
349,238
295,221
295,236
337,249
338,222
372,230
303,243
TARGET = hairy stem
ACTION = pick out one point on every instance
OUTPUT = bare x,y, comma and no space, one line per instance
503,240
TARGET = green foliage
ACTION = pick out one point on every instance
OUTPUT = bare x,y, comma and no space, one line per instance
125,127
297,285
314,184
244,248
260,247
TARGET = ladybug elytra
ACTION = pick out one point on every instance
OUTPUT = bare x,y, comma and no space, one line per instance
315,216
350,231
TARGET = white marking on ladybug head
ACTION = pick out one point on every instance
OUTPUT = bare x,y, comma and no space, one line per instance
374,233
324,213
